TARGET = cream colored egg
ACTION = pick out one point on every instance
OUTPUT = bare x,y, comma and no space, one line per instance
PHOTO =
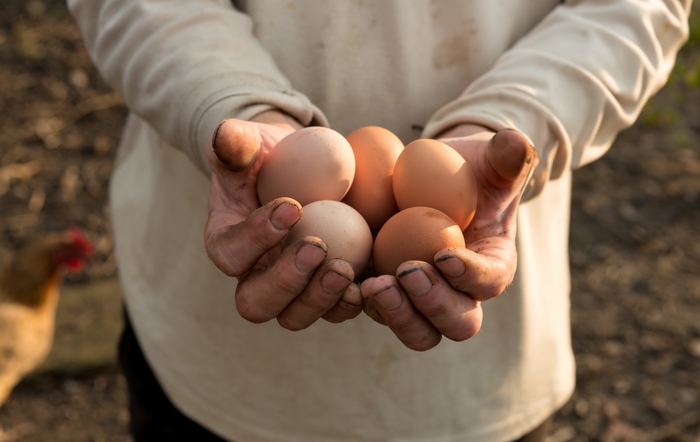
341,227
311,164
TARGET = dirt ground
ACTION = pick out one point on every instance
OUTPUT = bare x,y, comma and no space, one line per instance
635,242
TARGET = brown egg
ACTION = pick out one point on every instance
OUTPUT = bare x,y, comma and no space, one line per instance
341,227
311,164
430,173
376,150
416,233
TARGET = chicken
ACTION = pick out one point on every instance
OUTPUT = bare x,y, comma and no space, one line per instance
29,291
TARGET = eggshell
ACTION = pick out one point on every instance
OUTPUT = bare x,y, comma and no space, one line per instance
311,164
416,233
430,173
376,150
341,227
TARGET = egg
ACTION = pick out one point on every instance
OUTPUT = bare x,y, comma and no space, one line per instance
416,233
376,150
310,164
341,227
432,174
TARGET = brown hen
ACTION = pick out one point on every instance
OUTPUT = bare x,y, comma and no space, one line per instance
29,290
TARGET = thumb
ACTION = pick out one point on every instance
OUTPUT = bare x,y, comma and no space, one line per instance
235,144
511,155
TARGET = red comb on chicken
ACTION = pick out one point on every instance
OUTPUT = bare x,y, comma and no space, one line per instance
29,289
73,255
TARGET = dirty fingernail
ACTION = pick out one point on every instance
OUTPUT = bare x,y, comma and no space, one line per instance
284,216
450,266
415,281
389,298
333,283
309,257
215,137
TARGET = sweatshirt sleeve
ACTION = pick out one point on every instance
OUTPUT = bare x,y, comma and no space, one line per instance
183,66
576,80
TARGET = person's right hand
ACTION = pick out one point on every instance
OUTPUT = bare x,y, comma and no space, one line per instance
296,285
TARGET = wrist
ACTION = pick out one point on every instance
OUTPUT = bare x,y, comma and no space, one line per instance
277,118
464,130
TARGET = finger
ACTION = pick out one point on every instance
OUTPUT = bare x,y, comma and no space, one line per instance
368,303
323,291
510,155
454,314
262,295
407,323
235,249
236,144
480,275
348,307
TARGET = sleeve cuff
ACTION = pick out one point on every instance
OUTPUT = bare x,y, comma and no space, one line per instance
511,108
243,103
508,109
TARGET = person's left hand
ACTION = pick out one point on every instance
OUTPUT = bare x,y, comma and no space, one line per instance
421,303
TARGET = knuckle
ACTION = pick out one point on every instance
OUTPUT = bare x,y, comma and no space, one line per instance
343,312
468,330
230,263
232,266
497,289
348,309
401,323
463,334
263,233
250,312
290,324
334,318
493,288
288,283
434,310
317,305
485,295
371,311
426,343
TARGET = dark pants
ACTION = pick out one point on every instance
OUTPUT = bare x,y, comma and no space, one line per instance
155,418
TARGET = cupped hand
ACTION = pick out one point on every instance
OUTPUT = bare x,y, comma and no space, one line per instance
296,285
422,303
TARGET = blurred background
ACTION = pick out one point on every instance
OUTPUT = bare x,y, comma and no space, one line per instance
635,248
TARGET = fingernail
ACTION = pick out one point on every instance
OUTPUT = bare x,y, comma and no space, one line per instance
450,266
285,216
333,282
415,281
389,298
215,137
309,257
